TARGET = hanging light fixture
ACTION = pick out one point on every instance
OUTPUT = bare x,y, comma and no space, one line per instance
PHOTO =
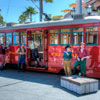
89,10
72,12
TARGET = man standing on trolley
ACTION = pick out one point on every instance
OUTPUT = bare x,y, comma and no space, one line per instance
34,51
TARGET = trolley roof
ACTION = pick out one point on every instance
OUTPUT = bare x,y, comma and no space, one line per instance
89,19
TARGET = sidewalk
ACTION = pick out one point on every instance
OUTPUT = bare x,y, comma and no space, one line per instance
36,86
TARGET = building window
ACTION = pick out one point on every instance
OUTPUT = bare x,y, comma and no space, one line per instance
65,36
92,35
78,36
8,38
23,38
2,38
15,38
53,37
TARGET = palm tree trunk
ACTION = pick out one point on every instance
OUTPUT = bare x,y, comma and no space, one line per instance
41,9
30,17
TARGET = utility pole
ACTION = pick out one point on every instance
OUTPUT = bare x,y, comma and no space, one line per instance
41,10
80,7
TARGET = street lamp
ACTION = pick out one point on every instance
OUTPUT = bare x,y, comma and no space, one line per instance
89,10
72,12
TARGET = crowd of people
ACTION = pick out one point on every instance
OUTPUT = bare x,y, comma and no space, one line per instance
82,55
33,45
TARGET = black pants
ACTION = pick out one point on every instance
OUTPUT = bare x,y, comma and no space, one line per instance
35,54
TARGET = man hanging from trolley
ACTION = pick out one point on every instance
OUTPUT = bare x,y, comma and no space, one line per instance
82,55
34,49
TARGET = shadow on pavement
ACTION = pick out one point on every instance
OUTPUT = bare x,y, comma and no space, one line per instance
36,77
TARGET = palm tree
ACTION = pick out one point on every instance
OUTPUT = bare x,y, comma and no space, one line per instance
22,18
1,19
41,6
27,14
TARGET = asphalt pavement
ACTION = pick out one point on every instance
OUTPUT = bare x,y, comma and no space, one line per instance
36,86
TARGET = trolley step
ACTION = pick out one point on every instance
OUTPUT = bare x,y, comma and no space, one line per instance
39,66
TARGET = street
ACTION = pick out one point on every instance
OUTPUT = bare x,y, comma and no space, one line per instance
36,86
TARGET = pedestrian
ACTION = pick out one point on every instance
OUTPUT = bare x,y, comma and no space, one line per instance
82,55
67,60
2,60
21,52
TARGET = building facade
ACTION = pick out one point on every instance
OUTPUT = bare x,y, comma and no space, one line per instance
94,3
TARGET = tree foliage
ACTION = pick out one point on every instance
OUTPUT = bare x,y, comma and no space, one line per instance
49,1
27,14
57,17
1,19
99,12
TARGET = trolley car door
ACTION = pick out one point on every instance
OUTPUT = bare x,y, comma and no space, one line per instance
46,47
28,50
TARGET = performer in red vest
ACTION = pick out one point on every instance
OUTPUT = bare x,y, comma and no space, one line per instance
82,55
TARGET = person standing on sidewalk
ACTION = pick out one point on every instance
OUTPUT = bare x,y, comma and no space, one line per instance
21,52
2,60
67,60
82,55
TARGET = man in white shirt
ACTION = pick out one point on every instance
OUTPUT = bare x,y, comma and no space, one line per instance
33,45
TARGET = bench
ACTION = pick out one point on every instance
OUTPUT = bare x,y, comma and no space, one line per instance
80,85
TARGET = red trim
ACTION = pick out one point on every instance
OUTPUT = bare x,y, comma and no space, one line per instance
84,35
59,37
71,37
12,38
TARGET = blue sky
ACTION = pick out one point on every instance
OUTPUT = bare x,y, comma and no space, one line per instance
12,9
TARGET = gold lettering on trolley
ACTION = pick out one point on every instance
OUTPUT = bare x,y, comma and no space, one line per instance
12,52
54,31
74,54
78,30
65,30
60,54
92,29
56,54
52,69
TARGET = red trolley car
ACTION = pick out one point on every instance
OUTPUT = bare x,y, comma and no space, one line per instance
53,36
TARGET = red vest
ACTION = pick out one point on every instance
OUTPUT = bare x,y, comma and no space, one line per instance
83,54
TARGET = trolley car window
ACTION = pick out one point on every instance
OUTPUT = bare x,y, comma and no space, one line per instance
8,38
92,35
15,38
2,38
37,36
65,36
78,36
23,38
53,37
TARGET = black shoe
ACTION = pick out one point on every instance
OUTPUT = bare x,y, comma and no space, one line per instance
36,65
18,70
23,70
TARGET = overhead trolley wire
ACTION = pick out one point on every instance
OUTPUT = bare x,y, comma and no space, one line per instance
35,4
7,10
